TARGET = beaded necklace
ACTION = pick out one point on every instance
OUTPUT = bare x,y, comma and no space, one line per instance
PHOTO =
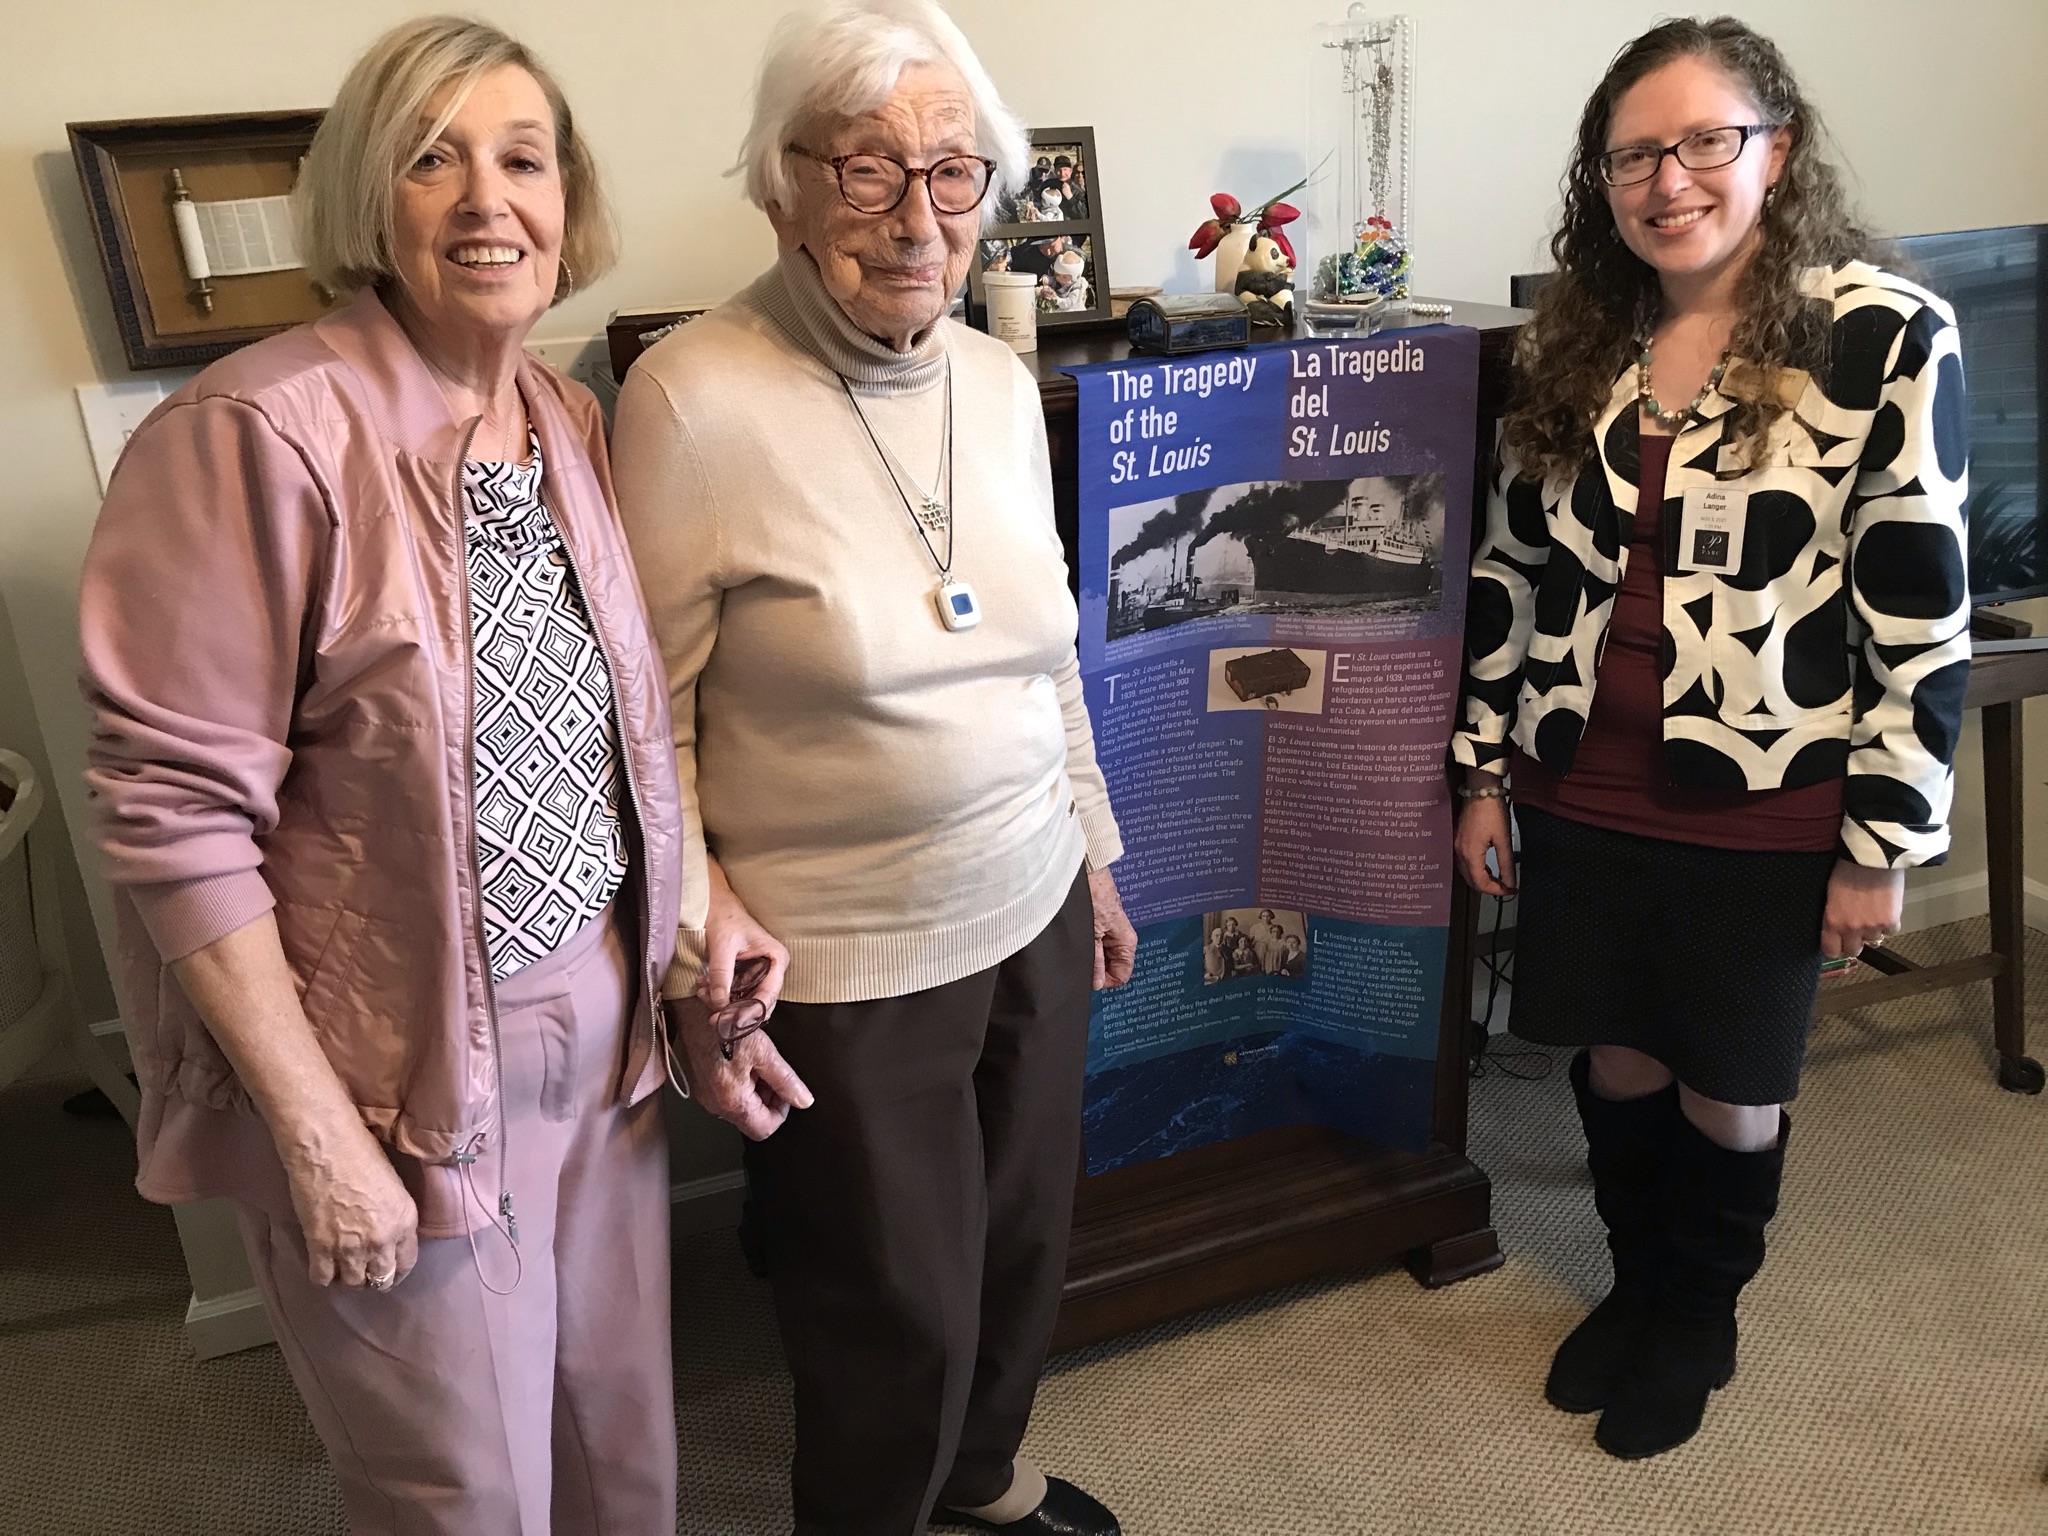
1672,421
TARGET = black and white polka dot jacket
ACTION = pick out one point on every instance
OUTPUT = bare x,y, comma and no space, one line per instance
1840,646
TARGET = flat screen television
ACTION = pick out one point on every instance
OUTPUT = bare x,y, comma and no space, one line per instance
1997,279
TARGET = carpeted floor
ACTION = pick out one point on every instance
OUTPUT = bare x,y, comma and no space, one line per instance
1894,1377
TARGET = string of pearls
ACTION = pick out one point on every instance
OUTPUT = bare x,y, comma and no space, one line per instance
1404,34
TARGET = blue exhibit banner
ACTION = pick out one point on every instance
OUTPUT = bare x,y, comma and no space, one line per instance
1272,603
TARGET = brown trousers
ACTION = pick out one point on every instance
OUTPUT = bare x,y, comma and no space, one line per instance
451,1410
914,1222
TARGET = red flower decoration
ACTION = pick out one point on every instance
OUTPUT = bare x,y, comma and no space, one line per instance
1229,211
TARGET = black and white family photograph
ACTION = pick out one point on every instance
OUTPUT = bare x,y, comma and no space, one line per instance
1254,941
1373,544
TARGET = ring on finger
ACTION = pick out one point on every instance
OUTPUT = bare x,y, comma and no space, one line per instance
382,1282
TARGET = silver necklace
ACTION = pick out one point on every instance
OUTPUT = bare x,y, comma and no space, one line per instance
958,607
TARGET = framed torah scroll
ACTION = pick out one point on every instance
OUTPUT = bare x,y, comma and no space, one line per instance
194,228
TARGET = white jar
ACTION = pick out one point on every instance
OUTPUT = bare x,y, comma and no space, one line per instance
1012,308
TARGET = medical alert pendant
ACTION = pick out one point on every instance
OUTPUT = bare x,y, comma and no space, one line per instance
958,608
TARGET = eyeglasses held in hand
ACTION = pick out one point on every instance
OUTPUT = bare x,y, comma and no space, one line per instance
744,1013
1707,150
877,183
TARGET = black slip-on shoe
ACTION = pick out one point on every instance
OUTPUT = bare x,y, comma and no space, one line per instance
1064,1511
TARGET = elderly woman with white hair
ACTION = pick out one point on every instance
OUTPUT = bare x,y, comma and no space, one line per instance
382,771
841,509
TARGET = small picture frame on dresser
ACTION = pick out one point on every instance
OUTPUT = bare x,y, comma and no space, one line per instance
1051,227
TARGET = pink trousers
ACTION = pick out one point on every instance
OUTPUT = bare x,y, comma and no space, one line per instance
447,1408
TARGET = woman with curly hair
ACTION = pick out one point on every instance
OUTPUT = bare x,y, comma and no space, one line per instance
1718,641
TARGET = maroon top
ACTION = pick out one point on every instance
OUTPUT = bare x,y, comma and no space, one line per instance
1618,778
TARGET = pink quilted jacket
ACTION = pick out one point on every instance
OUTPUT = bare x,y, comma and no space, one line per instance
276,663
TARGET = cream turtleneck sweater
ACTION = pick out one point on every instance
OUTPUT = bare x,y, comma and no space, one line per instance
900,804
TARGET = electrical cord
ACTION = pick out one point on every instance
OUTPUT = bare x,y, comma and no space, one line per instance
1525,1064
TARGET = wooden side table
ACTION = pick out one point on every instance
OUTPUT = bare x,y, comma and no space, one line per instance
1999,681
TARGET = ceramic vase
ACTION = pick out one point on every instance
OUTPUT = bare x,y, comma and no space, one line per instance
1230,254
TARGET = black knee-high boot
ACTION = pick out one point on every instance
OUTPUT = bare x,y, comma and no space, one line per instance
1626,1142
1716,1206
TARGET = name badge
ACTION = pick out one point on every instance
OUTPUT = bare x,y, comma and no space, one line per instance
1710,529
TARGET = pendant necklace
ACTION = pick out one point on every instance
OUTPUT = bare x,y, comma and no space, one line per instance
1672,421
954,599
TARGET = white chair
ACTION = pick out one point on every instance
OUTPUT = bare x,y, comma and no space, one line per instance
37,1012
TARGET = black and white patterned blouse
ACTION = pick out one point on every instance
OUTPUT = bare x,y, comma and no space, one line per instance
1841,646
550,847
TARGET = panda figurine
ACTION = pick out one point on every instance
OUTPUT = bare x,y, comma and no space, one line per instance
1265,284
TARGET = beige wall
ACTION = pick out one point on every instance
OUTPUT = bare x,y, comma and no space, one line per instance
1948,132
1939,110
20,732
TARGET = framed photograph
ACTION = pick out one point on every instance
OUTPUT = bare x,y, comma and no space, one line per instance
1057,189
193,223
1066,266
1052,227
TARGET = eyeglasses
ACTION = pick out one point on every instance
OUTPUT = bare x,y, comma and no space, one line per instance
744,1013
877,183
1707,150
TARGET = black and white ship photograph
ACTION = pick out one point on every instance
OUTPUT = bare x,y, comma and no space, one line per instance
1278,546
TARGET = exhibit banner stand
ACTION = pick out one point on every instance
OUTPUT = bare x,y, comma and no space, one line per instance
1272,596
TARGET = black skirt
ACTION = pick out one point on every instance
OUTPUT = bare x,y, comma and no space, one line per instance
1705,958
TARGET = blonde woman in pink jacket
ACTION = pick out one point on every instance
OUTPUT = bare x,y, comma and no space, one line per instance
381,763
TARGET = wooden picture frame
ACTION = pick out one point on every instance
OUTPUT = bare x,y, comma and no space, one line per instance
1037,227
125,168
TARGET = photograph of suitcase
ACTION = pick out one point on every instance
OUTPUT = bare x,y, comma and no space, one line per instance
1266,675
